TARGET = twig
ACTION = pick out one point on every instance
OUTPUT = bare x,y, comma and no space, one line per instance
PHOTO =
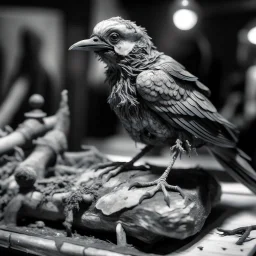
243,231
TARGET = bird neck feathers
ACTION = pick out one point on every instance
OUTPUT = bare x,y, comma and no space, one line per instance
123,93
122,76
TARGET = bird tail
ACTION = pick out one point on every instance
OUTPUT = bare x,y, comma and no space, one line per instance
236,162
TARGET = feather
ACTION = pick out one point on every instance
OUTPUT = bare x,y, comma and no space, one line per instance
195,114
234,161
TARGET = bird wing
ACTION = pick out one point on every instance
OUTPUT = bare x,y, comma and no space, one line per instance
175,69
178,102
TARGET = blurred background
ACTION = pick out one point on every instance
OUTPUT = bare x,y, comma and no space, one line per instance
214,39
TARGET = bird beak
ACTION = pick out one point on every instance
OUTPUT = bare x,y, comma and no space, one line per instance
92,44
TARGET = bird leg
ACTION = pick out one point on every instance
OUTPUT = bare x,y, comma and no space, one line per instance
114,168
160,183
243,231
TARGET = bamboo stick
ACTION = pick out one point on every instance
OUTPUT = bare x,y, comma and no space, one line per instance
43,246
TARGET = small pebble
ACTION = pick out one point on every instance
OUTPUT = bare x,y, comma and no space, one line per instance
224,249
200,248
40,224
241,250
59,234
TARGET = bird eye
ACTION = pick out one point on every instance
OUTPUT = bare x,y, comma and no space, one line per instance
114,37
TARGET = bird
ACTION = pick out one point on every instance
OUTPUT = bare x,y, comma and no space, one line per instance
160,103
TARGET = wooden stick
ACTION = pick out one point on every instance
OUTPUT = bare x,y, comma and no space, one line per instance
47,149
26,132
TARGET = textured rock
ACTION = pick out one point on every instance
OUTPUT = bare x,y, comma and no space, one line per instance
153,218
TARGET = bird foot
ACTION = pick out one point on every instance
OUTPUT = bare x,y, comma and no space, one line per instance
190,149
114,168
179,146
243,231
160,185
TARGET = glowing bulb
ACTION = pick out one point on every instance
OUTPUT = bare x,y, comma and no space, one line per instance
185,19
252,35
184,2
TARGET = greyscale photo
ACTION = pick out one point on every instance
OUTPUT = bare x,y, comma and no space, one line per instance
127,128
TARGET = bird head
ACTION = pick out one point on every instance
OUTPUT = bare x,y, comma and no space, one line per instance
114,39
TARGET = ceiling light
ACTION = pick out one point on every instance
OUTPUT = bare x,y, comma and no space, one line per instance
252,35
185,19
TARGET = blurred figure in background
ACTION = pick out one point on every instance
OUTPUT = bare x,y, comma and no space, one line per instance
28,77
33,51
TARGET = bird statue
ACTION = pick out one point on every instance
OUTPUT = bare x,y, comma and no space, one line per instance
160,103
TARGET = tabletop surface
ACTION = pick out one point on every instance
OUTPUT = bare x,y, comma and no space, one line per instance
236,209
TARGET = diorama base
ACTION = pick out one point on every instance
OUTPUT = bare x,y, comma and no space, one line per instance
77,211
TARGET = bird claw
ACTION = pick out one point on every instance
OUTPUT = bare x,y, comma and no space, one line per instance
243,231
167,198
145,196
112,173
135,184
178,146
114,168
105,165
109,169
149,194
190,148
160,185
